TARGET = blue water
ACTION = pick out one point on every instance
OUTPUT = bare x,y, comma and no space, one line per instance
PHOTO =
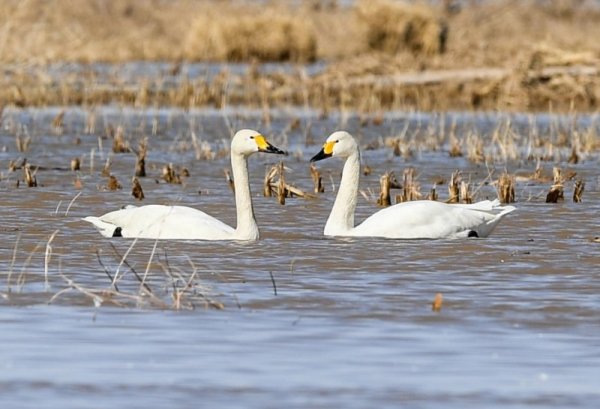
306,321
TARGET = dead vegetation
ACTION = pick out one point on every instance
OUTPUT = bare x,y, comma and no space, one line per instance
381,54
160,285
393,27
387,181
280,189
136,189
274,34
506,188
411,189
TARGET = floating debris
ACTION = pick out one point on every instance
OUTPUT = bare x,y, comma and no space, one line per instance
438,300
77,183
136,190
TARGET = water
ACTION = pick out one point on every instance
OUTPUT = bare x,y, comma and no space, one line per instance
306,321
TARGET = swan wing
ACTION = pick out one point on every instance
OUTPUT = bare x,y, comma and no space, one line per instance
426,219
162,222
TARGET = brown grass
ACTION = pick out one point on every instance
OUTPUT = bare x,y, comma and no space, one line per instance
396,26
269,35
365,45
479,33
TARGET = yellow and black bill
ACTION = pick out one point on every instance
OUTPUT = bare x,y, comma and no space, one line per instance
265,146
324,153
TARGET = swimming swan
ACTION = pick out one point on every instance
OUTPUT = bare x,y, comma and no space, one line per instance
186,223
422,219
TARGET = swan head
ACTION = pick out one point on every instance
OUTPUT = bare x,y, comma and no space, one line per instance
339,143
247,141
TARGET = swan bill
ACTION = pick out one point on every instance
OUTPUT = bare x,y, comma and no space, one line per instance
324,153
264,146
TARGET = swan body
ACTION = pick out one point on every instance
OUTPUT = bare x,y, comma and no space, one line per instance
186,223
422,219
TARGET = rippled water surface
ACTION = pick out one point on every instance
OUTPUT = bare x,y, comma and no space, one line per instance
306,321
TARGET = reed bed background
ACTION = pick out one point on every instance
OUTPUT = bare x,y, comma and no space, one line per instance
372,55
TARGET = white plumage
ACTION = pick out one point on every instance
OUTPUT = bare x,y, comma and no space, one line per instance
186,223
422,219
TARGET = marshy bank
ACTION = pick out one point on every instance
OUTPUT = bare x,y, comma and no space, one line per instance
366,56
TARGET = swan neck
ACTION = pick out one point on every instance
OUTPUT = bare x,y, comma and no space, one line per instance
341,219
247,228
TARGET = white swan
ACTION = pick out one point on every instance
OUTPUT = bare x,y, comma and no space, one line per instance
422,219
186,223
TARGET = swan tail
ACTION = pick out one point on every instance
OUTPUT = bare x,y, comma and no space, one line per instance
105,229
486,229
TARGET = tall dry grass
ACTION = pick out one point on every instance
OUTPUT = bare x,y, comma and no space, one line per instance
123,30
396,26
368,40
491,33
265,35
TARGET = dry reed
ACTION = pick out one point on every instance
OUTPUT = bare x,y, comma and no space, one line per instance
113,183
120,145
136,190
545,58
30,177
410,186
578,191
556,192
140,164
387,181
395,26
317,179
169,174
453,188
506,188
75,164
264,35
229,179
